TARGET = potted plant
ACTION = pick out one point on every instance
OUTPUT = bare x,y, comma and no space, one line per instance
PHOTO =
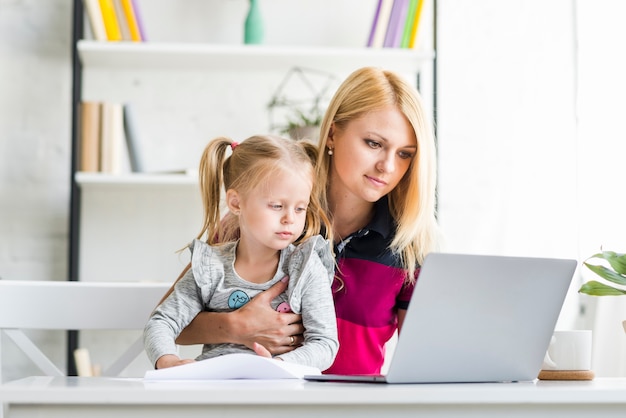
616,273
613,276
299,103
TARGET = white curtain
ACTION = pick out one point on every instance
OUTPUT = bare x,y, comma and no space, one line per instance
601,107
532,143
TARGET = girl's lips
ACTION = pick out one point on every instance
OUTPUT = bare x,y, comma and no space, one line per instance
284,235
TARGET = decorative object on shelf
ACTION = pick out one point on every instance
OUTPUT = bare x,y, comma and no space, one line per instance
616,273
253,27
299,102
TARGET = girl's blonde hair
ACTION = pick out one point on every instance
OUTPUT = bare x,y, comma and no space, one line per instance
250,164
412,202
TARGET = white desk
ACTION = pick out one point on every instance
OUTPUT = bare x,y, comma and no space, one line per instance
119,398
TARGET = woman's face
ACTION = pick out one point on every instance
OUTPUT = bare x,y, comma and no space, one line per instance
371,154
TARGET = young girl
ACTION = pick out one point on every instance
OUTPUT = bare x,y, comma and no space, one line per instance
270,237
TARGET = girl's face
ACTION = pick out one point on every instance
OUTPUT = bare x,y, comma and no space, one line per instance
371,155
273,215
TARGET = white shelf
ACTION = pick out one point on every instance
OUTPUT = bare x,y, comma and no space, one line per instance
91,180
182,56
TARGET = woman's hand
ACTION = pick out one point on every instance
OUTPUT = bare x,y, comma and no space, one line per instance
256,321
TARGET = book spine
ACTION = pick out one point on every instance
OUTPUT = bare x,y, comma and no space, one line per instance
89,136
383,22
396,24
121,20
370,39
415,26
109,17
131,17
92,7
132,139
112,134
408,23
139,20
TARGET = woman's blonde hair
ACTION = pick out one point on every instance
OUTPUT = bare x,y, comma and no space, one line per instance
412,203
249,164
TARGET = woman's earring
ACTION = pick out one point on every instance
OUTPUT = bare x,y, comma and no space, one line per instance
330,151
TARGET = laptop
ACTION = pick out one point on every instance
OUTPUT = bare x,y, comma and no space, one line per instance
476,318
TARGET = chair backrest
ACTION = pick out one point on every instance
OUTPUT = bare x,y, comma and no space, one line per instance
52,305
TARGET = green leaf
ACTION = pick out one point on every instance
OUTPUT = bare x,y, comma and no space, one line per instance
595,288
616,260
607,273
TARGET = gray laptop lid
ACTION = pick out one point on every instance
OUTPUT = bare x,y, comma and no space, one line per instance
477,318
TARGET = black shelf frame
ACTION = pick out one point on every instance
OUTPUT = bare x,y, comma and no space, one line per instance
74,221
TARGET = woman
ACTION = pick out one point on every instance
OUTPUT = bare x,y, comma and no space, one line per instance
377,158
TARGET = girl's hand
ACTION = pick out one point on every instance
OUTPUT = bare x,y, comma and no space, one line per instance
170,360
261,351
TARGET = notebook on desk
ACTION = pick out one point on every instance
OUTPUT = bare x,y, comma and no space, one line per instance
477,318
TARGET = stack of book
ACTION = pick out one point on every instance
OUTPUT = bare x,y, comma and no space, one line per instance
395,24
115,20
107,136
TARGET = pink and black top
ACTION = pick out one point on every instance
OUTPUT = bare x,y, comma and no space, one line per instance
372,291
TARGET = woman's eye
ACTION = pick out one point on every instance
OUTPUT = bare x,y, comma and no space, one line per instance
372,144
405,155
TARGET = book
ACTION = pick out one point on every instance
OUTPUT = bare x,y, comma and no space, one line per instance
415,25
121,20
111,25
233,366
92,7
408,23
131,14
370,39
396,24
381,23
111,138
89,136
133,139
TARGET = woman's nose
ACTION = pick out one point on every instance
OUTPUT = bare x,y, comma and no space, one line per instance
386,164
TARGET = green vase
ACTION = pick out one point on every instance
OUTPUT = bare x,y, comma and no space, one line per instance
253,29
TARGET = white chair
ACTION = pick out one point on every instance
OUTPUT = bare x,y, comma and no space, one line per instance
51,305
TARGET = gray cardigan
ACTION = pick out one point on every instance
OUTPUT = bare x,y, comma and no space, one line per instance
212,284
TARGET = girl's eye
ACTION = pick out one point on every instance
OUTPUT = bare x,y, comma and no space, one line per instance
372,143
300,210
276,206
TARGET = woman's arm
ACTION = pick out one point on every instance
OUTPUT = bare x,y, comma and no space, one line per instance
256,321
401,316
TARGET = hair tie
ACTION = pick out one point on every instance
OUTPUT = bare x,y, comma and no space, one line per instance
233,145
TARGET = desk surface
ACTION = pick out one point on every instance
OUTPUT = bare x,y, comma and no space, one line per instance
120,397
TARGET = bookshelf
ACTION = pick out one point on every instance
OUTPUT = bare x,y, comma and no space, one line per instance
127,227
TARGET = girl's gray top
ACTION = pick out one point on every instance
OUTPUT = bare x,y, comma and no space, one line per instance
212,284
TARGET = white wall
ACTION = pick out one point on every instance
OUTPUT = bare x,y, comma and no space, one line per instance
529,126
507,132
35,104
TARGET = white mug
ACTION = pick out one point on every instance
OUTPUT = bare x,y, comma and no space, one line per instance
569,350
